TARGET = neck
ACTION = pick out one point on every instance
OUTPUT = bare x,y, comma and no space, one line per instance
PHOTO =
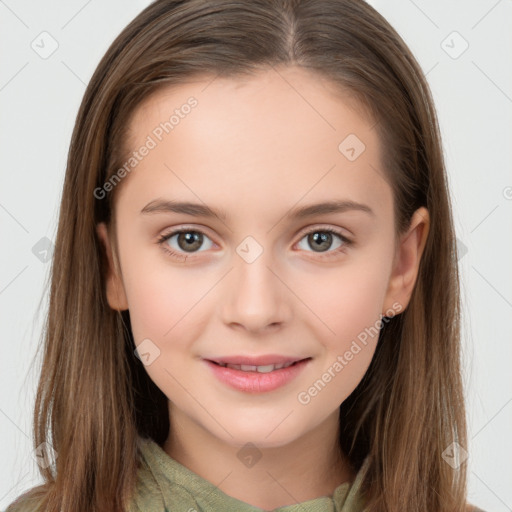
304,469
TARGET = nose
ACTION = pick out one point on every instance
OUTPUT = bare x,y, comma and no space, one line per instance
254,296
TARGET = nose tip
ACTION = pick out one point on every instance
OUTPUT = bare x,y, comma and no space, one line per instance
255,325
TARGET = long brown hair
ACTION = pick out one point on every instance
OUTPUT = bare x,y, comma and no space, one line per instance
94,397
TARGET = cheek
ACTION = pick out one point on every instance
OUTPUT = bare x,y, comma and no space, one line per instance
349,308
346,301
162,299
169,307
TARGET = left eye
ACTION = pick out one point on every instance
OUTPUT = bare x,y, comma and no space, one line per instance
321,240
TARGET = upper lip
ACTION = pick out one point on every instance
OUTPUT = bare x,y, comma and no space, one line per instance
257,360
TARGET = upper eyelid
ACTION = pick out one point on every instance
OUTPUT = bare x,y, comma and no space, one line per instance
185,229
325,227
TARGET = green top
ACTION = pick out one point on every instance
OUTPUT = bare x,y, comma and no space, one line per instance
165,485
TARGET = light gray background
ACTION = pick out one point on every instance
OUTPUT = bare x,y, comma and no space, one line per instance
39,98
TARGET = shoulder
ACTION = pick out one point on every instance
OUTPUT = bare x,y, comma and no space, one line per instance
473,508
31,500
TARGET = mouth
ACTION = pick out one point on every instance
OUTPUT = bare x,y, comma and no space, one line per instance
267,368
261,376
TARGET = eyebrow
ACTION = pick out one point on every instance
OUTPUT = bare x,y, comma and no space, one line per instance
202,210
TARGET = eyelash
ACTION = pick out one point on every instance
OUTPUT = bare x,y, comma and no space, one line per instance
166,236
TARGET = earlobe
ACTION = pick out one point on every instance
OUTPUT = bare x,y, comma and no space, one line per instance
115,292
407,261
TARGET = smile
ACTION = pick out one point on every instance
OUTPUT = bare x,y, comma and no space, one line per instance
257,378
260,369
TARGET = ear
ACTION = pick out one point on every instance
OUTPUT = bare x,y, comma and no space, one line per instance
116,295
407,261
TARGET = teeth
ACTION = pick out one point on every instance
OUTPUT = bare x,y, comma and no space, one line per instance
248,368
265,369
260,369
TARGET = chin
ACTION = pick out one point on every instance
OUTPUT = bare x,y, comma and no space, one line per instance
262,433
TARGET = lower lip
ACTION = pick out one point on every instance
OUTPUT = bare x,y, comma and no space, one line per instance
255,382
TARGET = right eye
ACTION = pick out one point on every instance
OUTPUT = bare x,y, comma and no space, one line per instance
184,241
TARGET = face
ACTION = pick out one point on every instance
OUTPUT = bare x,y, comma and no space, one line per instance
284,252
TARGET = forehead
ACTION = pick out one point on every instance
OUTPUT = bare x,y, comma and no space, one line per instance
279,132
278,94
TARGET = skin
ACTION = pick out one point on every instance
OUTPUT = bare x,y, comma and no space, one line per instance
258,148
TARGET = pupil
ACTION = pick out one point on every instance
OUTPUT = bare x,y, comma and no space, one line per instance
320,241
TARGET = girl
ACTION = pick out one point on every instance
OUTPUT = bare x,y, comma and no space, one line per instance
254,300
